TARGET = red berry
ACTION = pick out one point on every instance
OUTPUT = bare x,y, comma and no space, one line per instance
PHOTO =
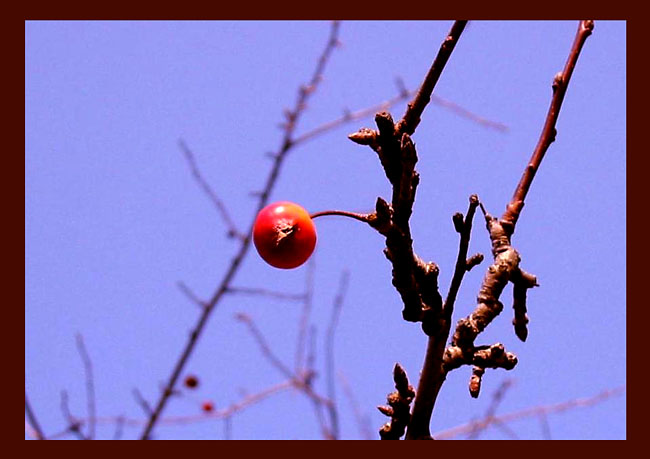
207,406
284,235
191,381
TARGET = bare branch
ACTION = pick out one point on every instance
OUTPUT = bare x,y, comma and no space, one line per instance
119,428
411,118
530,412
329,352
196,173
362,419
74,424
497,397
255,291
33,422
142,402
90,384
190,294
304,315
399,405
461,260
403,94
462,111
286,144
264,347
560,85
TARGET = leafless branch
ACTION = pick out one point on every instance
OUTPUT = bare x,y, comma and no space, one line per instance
304,314
255,291
74,424
549,132
196,173
497,397
464,227
264,347
33,422
462,111
190,294
142,402
329,352
90,384
348,117
362,419
287,142
529,412
119,428
416,107
546,428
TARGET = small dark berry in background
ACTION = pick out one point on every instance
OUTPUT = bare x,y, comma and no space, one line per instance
191,381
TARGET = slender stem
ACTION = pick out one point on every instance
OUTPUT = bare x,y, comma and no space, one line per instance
560,85
287,143
529,412
411,117
329,352
221,207
361,217
461,260
32,419
90,384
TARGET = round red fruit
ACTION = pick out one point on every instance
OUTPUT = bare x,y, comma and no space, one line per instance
207,406
284,235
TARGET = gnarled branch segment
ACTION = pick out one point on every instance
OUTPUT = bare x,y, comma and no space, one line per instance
415,280
399,406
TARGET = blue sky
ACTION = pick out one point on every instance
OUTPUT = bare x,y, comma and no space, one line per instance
114,219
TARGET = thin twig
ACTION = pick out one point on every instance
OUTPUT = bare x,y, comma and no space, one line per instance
142,402
119,428
266,292
263,197
264,347
416,107
196,173
329,352
305,313
497,397
546,428
190,294
547,137
530,412
90,384
349,117
33,422
461,260
362,419
465,113
74,424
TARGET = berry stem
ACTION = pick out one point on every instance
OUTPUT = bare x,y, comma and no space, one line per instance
361,217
